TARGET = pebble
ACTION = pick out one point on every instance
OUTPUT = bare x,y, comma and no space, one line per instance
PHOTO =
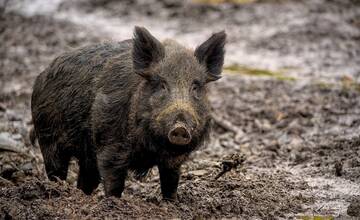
27,166
198,172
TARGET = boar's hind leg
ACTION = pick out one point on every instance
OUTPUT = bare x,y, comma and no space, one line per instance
56,162
169,180
89,177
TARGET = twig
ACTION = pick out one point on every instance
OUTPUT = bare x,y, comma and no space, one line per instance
6,181
227,125
338,168
231,163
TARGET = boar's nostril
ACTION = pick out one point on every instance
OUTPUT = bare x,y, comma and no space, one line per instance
179,136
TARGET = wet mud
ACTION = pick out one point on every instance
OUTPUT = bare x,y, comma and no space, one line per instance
289,104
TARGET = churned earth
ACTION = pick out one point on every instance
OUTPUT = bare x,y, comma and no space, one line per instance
286,139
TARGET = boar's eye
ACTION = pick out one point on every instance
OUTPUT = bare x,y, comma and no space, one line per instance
163,86
160,85
196,89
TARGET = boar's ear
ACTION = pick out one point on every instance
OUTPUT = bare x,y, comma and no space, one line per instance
211,54
146,51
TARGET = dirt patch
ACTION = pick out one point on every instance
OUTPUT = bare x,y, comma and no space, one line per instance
44,200
280,116
29,45
246,195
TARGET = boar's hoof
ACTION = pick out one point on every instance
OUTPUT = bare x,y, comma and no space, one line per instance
172,198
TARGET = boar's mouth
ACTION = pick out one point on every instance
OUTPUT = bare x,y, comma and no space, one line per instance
176,146
181,137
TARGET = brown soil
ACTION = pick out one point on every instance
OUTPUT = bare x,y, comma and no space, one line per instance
300,138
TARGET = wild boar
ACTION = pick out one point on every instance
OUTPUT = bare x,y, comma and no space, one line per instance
125,106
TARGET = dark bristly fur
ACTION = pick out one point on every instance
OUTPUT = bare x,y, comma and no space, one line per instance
113,106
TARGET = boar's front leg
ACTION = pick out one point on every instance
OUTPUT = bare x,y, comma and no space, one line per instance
114,182
113,172
169,180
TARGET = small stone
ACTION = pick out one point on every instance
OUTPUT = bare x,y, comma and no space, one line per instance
27,166
266,126
239,136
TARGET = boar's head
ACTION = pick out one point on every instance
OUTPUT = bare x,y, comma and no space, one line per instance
174,101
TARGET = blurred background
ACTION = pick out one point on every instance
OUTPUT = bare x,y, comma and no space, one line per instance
288,102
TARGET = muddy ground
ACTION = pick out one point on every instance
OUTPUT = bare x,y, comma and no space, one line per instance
289,102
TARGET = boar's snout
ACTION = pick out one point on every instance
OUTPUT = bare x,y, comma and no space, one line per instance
179,134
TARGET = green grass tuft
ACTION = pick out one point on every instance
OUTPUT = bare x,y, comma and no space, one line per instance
239,69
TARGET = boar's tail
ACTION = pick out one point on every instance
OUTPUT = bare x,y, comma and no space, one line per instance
32,136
